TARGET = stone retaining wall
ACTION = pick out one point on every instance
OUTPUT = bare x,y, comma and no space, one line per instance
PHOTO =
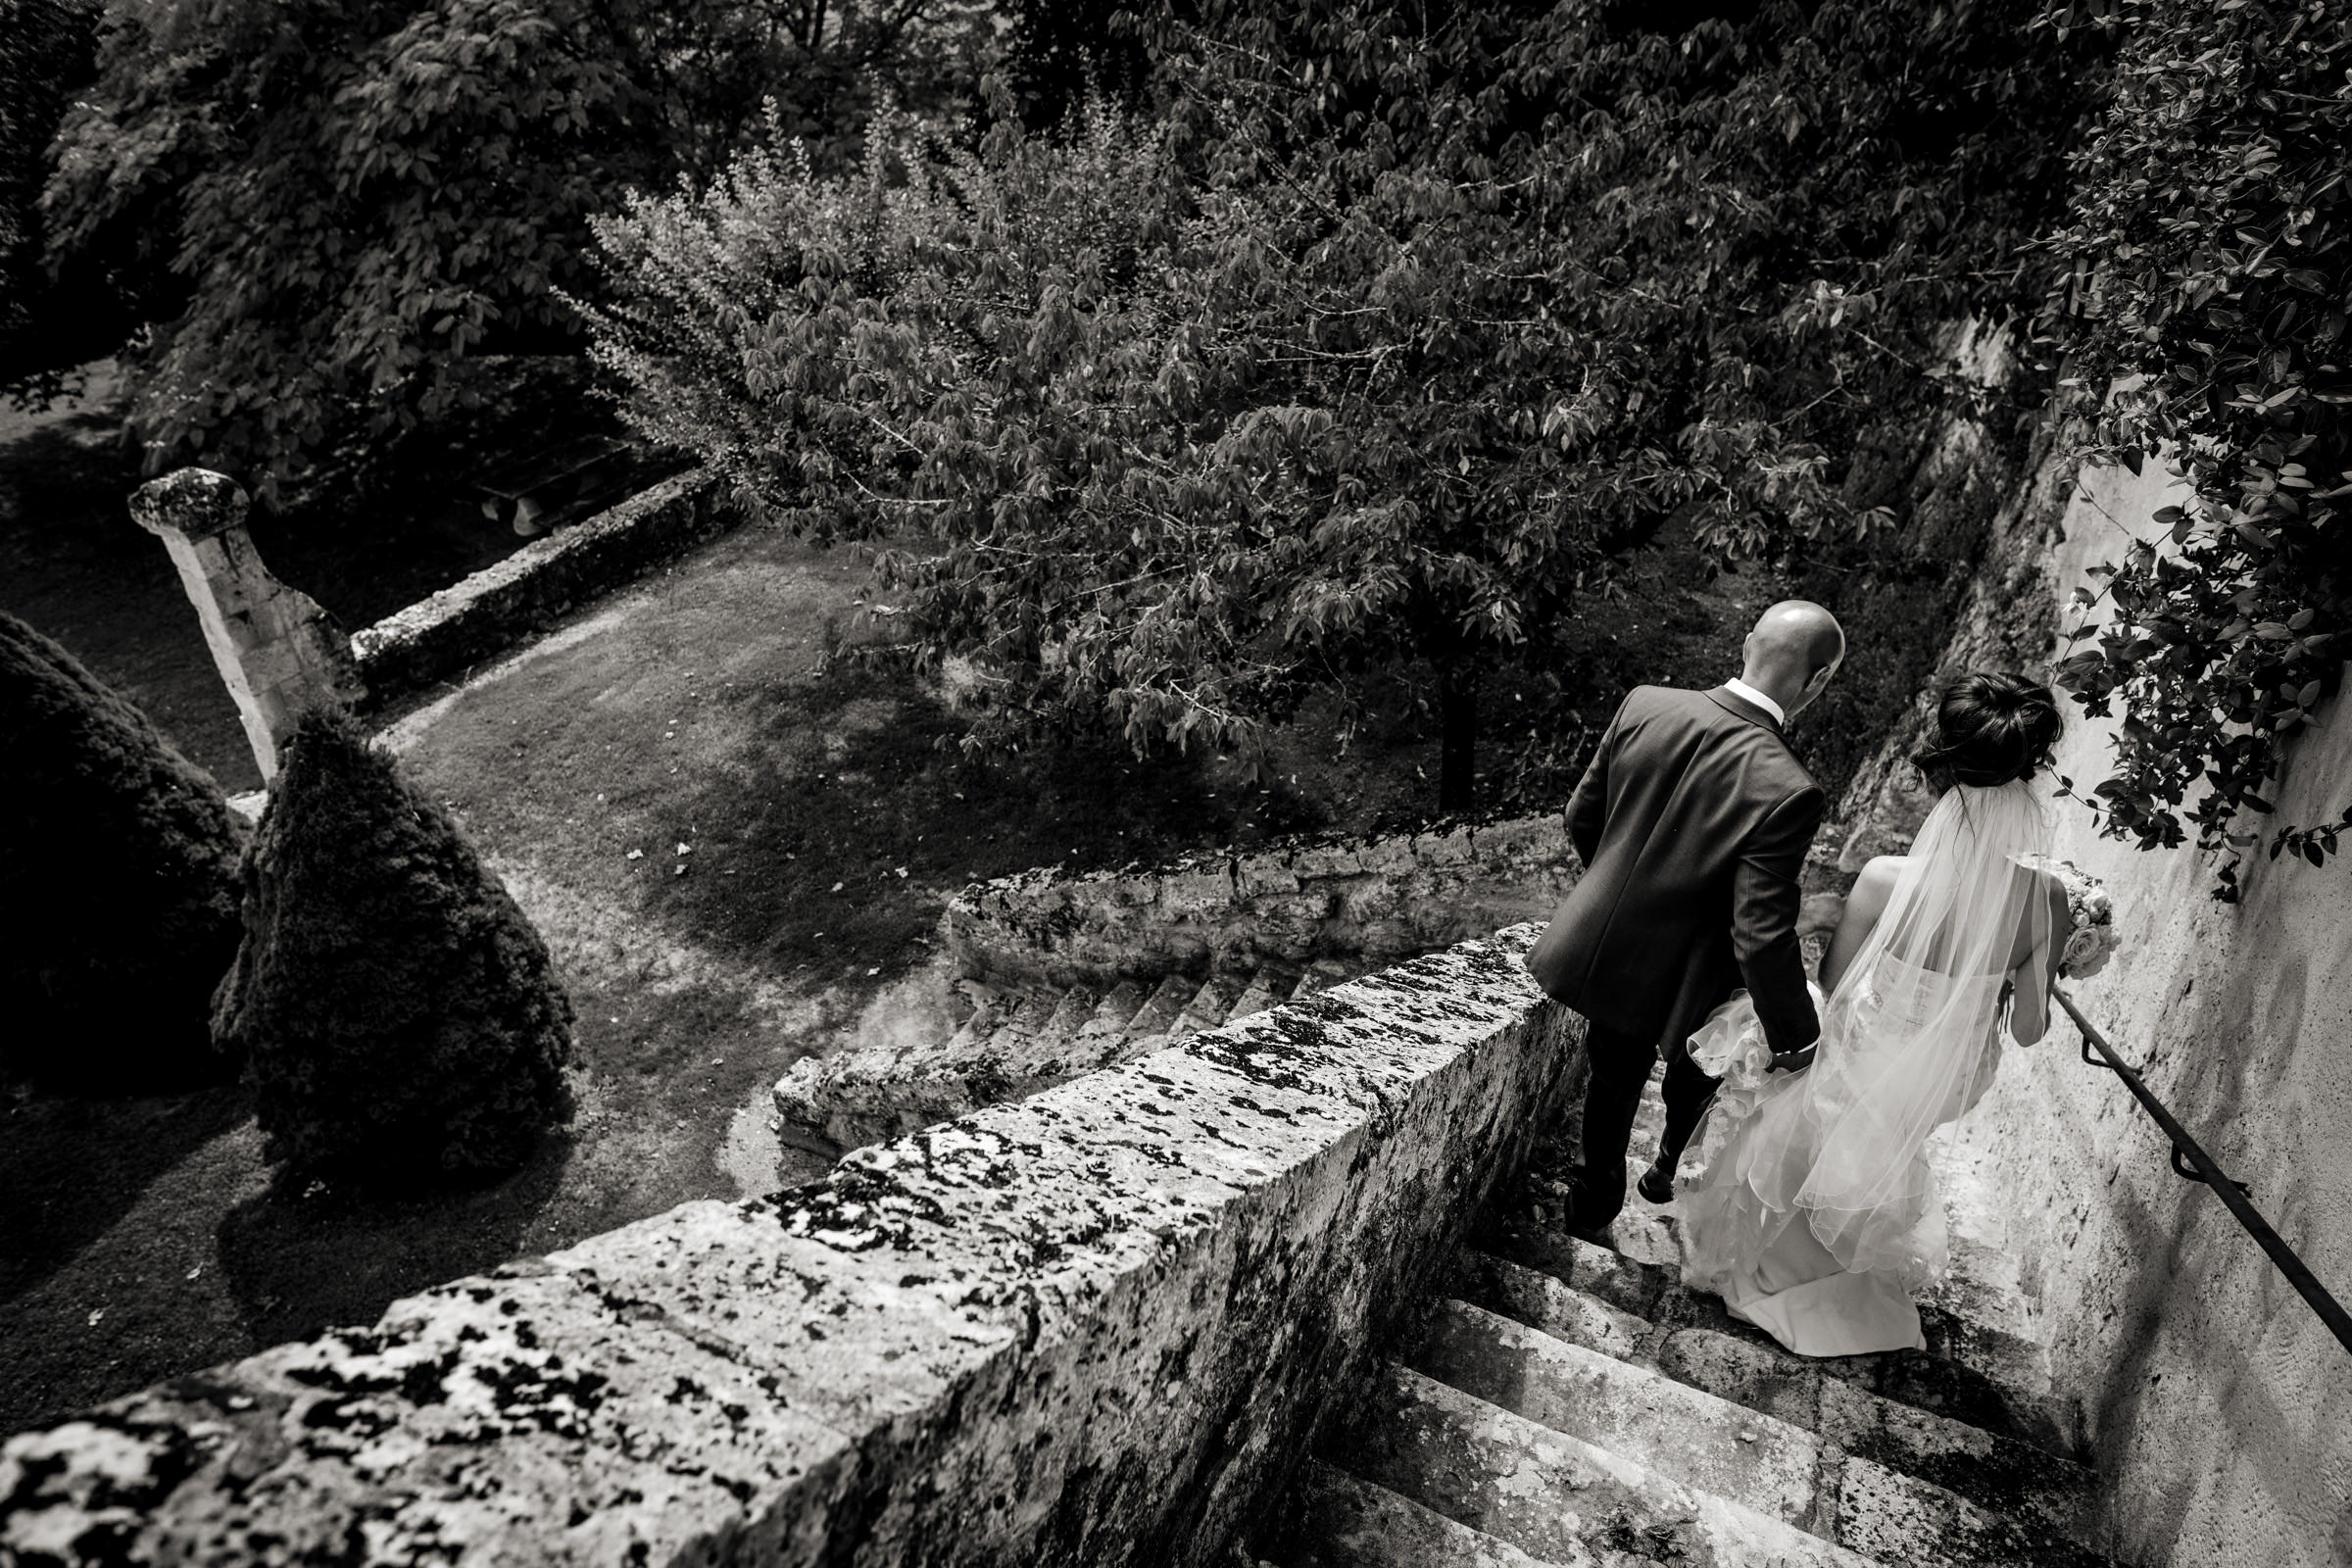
474,621
1972,501
2003,623
2215,1397
1359,899
1098,1326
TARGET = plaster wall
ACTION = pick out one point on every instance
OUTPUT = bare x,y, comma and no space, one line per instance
2214,1399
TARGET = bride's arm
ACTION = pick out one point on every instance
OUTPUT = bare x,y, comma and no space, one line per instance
2031,981
1863,906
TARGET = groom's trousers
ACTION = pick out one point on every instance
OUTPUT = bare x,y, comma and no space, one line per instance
1620,1065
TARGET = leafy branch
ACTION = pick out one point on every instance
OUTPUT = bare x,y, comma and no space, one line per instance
2207,271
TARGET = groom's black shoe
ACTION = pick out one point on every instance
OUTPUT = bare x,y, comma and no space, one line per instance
1580,1223
1656,1184
1588,1212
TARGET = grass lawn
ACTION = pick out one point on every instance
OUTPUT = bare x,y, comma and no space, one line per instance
733,855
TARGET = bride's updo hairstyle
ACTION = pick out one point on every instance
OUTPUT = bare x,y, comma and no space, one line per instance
1990,730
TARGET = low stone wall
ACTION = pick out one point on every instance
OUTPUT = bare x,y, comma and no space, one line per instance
474,621
1098,1326
1362,899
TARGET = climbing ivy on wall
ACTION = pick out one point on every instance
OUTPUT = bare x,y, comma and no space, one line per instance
2208,262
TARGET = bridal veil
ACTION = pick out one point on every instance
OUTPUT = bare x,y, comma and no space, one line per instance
1910,1040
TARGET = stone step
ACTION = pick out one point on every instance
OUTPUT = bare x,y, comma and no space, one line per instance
1117,1008
1553,1495
1691,1435
1070,1013
1009,1045
1320,975
1271,987
1982,1377
1997,1473
1650,1117
1342,1521
1026,1022
1684,1433
990,1010
973,996
1163,1008
1209,1005
827,1106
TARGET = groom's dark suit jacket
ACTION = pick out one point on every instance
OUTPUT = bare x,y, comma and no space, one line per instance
1693,822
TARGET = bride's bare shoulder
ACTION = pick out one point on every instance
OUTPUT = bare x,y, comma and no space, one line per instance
1876,885
1882,872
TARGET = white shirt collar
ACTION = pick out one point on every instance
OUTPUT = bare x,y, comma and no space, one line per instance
1749,694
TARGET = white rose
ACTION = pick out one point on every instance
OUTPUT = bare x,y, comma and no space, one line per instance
2087,951
1754,1056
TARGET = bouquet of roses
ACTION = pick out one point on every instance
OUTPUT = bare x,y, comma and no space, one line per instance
2092,941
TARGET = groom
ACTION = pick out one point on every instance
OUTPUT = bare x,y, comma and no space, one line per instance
1693,822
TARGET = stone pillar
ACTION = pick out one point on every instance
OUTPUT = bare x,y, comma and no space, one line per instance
277,651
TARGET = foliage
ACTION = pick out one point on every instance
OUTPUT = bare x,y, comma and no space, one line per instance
399,1016
326,207
45,54
2209,259
1370,352
1061,52
120,862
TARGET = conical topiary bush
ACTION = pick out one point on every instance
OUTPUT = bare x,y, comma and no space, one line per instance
118,872
399,1019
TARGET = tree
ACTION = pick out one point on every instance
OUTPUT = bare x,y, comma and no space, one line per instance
45,325
2208,260
121,865
1061,52
326,208
1369,355
398,1015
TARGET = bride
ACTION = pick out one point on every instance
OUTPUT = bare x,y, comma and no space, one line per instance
1808,1204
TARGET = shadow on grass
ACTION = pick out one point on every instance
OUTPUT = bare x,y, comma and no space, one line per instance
298,1264
70,1167
859,816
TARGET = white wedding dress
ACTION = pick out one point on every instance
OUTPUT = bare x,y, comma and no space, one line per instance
1806,1199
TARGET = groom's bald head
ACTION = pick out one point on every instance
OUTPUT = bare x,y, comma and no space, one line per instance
1793,652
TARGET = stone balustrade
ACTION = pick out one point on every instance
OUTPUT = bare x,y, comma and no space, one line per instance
1369,900
473,621
1096,1325
278,653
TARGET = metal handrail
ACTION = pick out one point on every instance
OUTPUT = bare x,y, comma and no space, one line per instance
2191,1161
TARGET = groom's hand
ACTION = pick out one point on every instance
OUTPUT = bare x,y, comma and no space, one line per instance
1793,1060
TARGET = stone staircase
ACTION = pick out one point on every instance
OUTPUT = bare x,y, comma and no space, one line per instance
1568,1403
1014,1042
